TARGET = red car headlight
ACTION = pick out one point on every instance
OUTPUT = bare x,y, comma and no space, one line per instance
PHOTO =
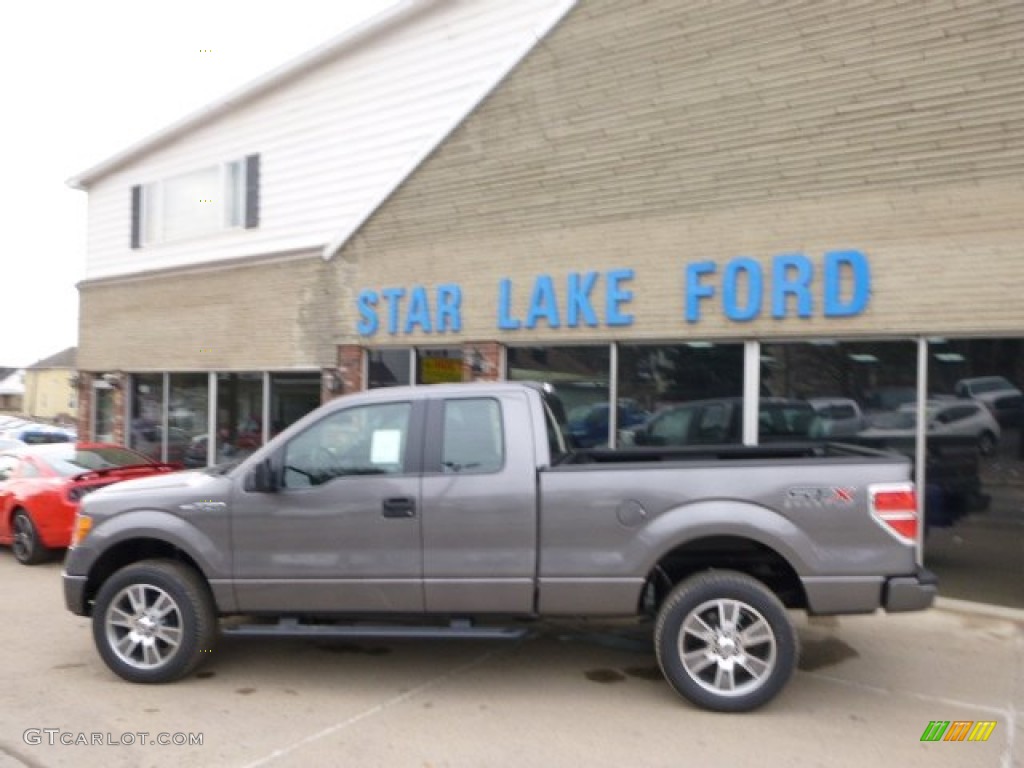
76,493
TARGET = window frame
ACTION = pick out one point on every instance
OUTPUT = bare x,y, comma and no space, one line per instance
233,203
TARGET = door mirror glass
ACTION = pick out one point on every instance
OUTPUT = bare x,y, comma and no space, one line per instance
262,478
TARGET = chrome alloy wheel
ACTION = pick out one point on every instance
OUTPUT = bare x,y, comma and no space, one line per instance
727,647
144,626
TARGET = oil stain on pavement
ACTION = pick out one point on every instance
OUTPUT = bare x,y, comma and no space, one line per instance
826,652
604,675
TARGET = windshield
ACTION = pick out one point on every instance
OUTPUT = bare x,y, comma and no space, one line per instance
68,460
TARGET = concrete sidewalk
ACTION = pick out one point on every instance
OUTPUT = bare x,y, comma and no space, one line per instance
866,691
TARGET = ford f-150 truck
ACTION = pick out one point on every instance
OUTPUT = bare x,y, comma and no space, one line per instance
460,511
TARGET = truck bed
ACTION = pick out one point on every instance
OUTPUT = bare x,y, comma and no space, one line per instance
795,450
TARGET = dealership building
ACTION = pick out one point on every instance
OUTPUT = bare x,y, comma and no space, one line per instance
643,202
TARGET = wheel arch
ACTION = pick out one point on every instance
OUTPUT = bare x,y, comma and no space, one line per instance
134,550
733,552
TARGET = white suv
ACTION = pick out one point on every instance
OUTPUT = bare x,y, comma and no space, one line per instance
1002,398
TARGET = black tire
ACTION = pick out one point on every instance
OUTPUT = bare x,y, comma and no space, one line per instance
154,621
25,542
987,443
747,641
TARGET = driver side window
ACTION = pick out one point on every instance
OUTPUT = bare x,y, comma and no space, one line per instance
364,440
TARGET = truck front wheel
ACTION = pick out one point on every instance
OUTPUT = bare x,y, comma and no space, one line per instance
154,621
724,641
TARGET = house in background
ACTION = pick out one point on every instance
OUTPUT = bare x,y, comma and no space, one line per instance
49,390
12,390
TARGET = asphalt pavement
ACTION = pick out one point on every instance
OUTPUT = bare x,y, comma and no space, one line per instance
569,695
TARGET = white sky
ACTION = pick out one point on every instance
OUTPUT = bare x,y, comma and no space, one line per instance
79,81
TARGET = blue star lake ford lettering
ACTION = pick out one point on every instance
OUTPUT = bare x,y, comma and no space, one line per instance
790,286
545,305
793,278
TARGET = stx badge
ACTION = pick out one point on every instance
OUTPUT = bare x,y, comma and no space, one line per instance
819,497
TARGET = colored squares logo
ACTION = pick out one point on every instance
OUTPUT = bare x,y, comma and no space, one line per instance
958,730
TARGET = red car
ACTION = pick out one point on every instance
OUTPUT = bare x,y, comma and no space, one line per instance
41,486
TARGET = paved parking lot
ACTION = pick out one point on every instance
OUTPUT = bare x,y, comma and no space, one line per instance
567,696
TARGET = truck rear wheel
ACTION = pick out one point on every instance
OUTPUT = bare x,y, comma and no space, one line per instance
154,621
724,641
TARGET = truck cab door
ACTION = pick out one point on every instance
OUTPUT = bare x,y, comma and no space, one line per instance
479,505
341,532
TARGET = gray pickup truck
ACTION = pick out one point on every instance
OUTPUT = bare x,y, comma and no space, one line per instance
460,511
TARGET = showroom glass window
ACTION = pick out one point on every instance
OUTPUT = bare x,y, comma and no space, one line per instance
188,416
239,415
852,386
103,413
438,365
146,420
292,396
389,367
579,376
976,429
681,394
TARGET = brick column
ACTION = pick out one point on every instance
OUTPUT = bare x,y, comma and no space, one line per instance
350,369
481,361
84,405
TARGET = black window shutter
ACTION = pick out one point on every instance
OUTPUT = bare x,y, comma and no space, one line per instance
252,191
136,217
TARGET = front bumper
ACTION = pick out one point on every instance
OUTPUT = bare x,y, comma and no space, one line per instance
910,593
74,594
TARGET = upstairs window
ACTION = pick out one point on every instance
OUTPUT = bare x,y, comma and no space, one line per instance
201,202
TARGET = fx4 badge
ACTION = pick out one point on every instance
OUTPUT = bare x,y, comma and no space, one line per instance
203,506
819,497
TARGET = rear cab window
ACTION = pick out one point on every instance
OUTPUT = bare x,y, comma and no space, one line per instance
472,438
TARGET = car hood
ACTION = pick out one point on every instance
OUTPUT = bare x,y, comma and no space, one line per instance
156,482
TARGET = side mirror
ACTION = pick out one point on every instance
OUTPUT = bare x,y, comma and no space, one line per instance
262,478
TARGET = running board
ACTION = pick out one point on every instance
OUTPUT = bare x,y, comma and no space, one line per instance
294,628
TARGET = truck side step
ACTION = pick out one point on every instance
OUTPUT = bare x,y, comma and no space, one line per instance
294,628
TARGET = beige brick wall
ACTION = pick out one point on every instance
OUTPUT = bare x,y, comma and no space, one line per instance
280,314
650,134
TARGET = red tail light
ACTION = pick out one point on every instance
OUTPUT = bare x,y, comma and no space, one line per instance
895,506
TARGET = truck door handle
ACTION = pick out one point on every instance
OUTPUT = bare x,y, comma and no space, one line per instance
403,506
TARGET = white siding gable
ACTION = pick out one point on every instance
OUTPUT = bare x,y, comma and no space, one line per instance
334,142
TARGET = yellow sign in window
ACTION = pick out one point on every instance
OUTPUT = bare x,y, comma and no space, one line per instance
439,370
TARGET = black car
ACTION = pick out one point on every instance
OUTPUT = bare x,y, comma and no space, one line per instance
720,421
